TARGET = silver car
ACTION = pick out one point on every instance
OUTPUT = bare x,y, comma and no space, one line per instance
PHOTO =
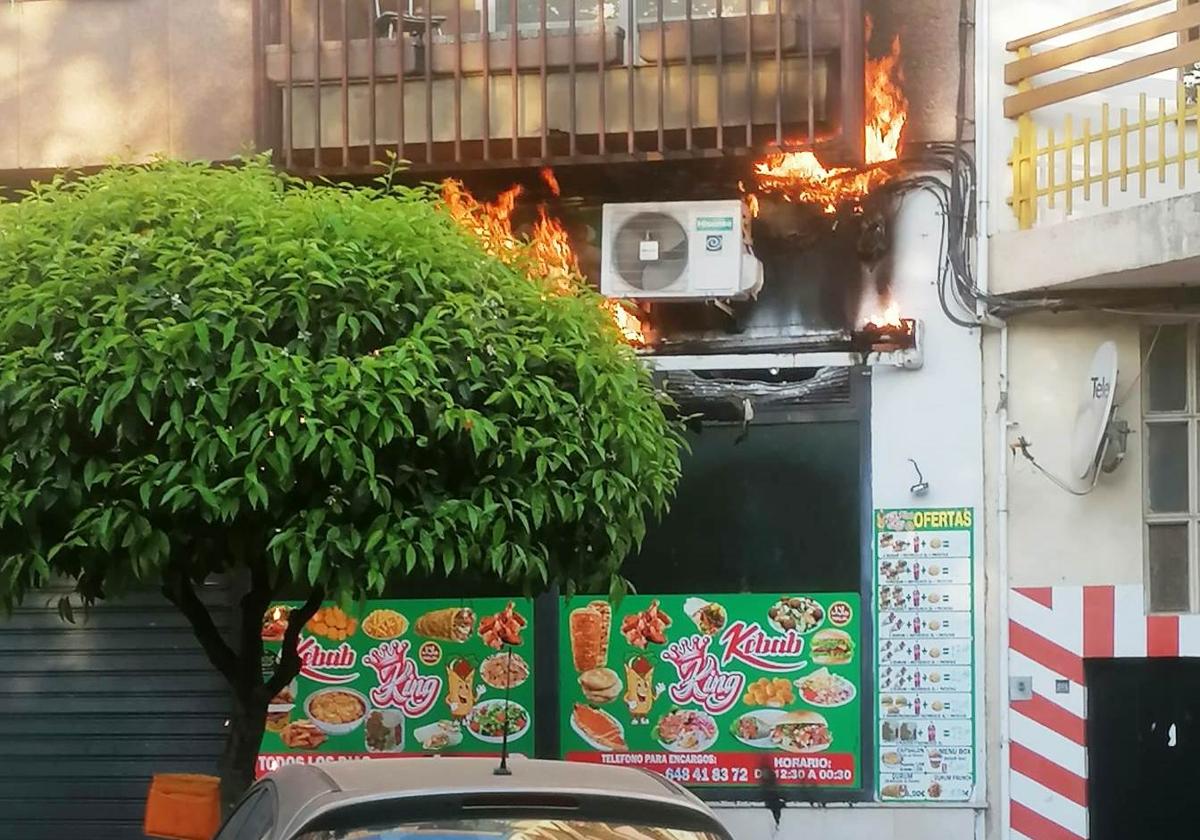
464,799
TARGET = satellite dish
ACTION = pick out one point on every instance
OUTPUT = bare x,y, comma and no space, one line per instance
1094,414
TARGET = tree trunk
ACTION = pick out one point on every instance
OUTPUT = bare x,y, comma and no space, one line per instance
237,763
242,667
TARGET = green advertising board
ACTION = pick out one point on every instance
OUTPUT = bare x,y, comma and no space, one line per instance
715,690
403,677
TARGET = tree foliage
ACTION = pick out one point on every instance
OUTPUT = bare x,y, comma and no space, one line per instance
323,390
202,366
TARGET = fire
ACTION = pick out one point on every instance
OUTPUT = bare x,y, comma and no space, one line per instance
890,317
630,325
552,255
801,177
887,106
546,255
752,205
490,222
551,180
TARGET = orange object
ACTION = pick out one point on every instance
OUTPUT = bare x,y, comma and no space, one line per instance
183,806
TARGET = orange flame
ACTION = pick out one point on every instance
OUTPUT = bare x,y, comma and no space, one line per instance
801,177
628,324
546,255
552,255
490,222
551,180
887,106
890,317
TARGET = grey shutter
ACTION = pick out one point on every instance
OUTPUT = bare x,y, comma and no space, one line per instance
90,711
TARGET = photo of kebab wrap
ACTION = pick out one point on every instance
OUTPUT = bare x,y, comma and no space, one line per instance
590,628
831,647
452,624
802,732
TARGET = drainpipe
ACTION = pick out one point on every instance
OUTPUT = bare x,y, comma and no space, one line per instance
983,164
1002,577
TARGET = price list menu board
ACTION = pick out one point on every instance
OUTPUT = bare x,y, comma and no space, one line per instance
925,657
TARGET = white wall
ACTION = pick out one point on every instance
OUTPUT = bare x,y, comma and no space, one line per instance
843,823
1054,537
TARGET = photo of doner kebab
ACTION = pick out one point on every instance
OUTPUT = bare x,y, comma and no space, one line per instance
452,624
590,627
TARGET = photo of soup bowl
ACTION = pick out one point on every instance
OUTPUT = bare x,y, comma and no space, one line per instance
336,711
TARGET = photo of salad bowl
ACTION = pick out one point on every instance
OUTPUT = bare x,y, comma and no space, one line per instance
487,721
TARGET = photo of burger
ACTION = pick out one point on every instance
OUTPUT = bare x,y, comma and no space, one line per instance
831,647
802,732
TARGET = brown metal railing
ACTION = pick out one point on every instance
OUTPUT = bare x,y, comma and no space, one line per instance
451,84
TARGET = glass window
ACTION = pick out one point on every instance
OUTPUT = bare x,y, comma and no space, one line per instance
1167,450
771,508
1166,367
1171,463
1169,578
253,817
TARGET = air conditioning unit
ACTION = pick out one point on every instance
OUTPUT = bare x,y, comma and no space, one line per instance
677,250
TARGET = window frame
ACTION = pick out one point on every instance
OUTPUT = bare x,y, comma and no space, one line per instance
1189,416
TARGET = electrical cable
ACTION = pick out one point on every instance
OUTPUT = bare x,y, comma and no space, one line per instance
1022,446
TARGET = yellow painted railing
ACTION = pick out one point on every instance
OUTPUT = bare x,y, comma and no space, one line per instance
1054,166
1152,143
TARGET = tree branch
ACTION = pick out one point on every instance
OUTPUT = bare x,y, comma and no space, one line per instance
179,591
289,659
253,605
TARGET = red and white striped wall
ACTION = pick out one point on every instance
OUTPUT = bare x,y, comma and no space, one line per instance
1051,631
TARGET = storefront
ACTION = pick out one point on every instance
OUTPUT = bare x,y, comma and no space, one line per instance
807,622
742,664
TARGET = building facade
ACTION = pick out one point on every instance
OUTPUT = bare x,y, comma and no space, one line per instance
1081,188
1091,201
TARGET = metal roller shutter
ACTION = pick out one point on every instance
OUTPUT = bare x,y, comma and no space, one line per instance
88,712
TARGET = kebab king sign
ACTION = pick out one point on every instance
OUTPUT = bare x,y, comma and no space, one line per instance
700,678
320,664
715,689
399,684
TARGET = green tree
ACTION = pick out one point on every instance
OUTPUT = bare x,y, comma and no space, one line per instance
321,390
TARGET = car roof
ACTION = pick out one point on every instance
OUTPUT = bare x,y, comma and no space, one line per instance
305,791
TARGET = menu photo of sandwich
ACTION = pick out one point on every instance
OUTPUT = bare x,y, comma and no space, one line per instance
802,732
450,624
590,627
831,647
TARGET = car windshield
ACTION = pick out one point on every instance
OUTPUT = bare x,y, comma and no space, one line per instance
511,829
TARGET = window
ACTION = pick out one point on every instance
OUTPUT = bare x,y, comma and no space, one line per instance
253,817
773,509
1171,423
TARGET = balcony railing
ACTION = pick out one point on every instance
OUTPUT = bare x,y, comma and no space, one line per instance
1074,153
451,84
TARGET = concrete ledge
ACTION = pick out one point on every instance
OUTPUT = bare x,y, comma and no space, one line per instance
1152,245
